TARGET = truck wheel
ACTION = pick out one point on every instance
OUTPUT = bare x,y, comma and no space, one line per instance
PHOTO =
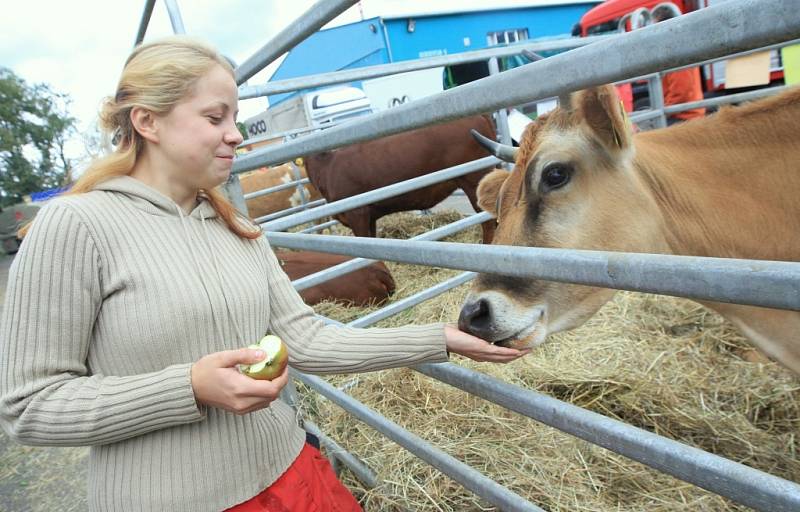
11,245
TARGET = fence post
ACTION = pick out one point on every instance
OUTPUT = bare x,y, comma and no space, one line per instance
233,191
501,115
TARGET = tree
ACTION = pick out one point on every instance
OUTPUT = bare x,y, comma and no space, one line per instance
34,128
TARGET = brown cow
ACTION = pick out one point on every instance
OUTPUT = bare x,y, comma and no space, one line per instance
271,177
381,162
724,186
367,286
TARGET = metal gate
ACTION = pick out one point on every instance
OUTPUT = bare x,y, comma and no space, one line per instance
736,26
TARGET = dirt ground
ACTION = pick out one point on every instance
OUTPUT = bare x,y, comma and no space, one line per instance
39,479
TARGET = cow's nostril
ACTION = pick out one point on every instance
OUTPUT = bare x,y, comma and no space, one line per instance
475,317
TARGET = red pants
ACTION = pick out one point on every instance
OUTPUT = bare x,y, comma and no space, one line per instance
309,485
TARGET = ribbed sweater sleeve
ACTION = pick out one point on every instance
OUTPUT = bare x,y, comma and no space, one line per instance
47,394
315,347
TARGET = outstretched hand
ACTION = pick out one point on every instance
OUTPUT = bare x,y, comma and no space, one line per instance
477,349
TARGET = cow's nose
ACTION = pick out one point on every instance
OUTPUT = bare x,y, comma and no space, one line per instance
476,318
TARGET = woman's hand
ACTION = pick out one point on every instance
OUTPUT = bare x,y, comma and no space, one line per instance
217,382
477,349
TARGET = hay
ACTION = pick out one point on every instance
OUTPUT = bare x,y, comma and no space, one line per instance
663,364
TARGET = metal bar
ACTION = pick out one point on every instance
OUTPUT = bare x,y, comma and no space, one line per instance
145,21
711,102
319,227
502,114
738,482
413,300
730,98
312,20
289,211
364,474
232,189
175,16
657,99
771,284
644,115
352,75
471,479
357,263
634,53
276,188
380,194
733,480
737,55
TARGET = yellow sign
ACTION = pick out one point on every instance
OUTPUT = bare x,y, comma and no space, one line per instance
747,71
791,64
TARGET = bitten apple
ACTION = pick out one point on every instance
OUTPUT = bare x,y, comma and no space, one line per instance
273,365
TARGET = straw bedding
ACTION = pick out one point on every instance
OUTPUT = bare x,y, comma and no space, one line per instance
660,363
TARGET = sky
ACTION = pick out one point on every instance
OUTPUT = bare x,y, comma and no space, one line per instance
78,47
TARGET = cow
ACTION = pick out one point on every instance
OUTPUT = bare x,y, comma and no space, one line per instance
271,177
723,186
381,162
372,285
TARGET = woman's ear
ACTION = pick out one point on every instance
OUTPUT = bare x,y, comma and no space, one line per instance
144,122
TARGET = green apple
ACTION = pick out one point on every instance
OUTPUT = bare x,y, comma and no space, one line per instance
273,365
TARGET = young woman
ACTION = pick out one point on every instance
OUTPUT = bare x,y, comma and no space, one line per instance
131,296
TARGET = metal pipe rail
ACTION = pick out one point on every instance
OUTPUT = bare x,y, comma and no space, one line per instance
737,55
312,20
412,300
289,211
738,482
320,227
723,100
710,102
276,188
771,284
733,480
379,194
357,263
350,75
465,475
145,21
631,54
175,16
359,469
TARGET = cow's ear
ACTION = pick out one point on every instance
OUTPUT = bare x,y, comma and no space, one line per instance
600,111
489,190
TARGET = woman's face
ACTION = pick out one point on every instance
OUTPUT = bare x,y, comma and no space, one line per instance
198,137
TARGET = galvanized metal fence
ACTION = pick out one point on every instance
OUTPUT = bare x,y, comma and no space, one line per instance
736,26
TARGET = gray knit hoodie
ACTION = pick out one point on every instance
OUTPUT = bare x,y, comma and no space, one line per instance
111,298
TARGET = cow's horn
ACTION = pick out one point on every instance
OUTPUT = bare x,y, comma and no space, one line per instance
565,101
501,151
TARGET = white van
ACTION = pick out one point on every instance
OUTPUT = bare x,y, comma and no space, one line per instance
316,109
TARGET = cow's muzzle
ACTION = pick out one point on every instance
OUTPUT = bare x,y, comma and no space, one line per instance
476,319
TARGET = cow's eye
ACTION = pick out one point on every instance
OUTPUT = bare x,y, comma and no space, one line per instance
555,176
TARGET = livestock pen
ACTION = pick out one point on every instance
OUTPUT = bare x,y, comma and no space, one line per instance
737,26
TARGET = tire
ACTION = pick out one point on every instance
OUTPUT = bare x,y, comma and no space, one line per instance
11,245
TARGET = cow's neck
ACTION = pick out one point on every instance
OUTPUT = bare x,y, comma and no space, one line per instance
726,190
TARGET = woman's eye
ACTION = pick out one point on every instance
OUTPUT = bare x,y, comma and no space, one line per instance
555,176
215,119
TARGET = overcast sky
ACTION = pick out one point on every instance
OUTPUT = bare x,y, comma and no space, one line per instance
78,47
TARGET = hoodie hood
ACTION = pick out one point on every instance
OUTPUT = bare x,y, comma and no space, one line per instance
152,201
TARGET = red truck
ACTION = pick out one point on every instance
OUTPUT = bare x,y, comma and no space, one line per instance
624,15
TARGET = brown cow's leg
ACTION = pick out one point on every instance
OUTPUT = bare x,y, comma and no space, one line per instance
359,222
470,187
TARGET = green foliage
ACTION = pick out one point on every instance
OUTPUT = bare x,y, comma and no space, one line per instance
34,128
242,129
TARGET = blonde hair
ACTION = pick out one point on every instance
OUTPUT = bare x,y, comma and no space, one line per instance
156,76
